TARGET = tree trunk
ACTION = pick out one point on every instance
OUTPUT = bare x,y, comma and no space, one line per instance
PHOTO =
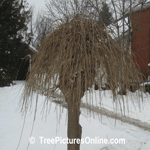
74,128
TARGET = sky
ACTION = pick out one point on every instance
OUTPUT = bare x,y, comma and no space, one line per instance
38,5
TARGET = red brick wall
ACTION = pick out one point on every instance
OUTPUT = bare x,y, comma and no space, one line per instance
141,39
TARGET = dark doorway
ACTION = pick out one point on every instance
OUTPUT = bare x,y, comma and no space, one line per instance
23,65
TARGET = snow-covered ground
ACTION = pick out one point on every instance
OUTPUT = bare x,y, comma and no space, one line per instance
11,124
136,105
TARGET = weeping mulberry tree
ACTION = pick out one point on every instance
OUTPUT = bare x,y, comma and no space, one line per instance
69,58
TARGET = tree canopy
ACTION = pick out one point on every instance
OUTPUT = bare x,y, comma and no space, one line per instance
105,16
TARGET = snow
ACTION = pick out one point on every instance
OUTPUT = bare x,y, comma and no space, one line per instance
145,83
11,124
132,109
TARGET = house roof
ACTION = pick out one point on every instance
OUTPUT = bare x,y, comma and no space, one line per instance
143,6
33,49
134,9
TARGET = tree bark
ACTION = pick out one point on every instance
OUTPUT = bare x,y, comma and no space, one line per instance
74,128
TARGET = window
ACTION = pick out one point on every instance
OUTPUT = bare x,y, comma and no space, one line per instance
138,70
146,75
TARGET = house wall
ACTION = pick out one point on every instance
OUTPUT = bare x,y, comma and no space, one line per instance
23,66
141,40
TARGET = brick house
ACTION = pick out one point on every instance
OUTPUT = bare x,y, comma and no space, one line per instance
140,42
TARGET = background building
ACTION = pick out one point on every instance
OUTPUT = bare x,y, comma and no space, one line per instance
140,42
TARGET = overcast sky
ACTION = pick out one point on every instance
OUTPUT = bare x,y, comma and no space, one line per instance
38,5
